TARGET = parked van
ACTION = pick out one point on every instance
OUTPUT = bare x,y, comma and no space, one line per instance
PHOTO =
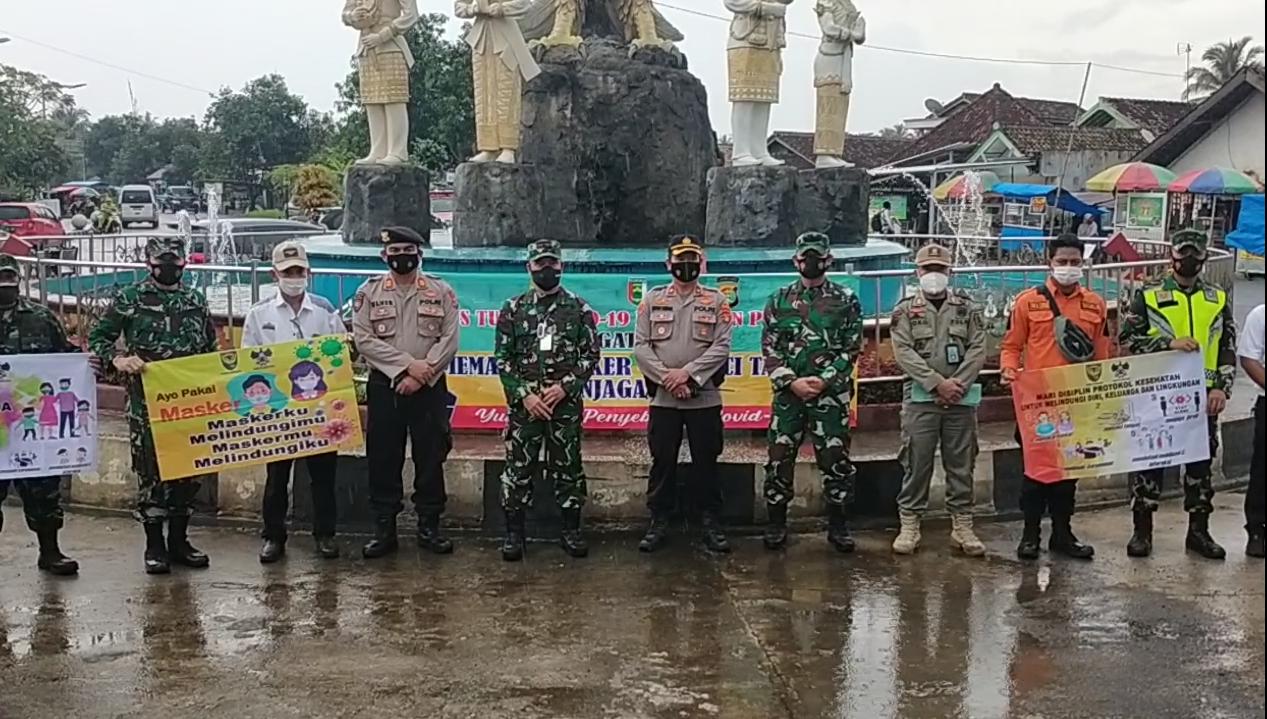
137,203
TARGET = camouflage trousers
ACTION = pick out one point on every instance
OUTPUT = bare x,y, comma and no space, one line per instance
560,437
156,500
1198,483
41,501
826,421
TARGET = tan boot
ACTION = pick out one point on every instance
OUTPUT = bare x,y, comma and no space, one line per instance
907,541
963,538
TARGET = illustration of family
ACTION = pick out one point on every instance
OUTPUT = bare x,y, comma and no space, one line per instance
1044,428
257,394
55,414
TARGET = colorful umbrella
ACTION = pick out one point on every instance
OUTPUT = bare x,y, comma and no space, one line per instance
1216,181
958,187
1132,177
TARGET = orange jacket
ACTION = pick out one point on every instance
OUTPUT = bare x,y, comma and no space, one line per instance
1030,342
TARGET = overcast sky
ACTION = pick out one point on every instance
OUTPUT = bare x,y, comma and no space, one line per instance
209,45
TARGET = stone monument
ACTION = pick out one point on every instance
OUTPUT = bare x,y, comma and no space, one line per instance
843,27
616,144
500,63
754,63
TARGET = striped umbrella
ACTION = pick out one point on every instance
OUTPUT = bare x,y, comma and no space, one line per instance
1132,177
957,187
1216,181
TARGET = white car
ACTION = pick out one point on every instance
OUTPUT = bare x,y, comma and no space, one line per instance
137,203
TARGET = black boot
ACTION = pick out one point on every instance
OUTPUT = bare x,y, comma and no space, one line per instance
385,541
1199,539
714,537
51,558
327,548
572,541
179,549
272,551
838,530
1031,546
656,535
1141,544
1064,541
514,545
1254,547
156,559
431,538
775,537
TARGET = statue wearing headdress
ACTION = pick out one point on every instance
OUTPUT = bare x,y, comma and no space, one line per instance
500,62
843,27
384,60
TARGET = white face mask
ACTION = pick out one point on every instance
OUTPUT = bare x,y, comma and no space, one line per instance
292,286
1066,276
934,283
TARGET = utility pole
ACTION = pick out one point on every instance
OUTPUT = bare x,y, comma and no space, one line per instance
1185,49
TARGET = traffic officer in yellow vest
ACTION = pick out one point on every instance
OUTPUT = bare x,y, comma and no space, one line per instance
406,326
1187,314
939,341
682,344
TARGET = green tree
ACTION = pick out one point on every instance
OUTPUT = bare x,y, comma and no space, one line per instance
31,151
896,132
260,127
1223,61
441,105
315,187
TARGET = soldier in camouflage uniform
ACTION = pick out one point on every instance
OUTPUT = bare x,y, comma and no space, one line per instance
1186,314
30,328
811,339
547,348
159,318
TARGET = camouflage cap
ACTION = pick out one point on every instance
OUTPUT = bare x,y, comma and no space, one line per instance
1189,238
156,247
542,249
8,263
815,242
933,254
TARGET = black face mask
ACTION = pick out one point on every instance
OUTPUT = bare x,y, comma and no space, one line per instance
402,264
167,273
1189,266
813,267
685,271
8,295
546,278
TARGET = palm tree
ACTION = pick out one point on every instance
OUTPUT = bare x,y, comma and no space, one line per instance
1222,61
896,132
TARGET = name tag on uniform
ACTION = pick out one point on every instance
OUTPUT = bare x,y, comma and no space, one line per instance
952,354
545,337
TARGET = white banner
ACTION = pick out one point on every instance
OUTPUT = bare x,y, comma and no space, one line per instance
48,408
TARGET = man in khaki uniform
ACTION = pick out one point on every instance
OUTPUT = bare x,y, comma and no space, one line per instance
939,341
406,326
682,344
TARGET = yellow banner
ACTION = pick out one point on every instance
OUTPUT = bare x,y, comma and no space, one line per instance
252,405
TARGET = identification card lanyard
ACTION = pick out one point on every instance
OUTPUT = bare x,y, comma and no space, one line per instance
545,335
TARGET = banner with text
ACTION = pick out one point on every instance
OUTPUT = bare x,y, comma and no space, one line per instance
1121,415
49,406
252,405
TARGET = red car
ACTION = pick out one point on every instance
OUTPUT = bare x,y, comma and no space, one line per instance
29,219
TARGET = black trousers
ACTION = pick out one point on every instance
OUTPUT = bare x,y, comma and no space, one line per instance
704,435
321,470
423,418
1256,498
1059,499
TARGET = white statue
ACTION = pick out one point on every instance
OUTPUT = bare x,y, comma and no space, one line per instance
754,60
384,60
843,27
500,62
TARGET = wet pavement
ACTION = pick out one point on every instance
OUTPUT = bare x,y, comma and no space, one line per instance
679,635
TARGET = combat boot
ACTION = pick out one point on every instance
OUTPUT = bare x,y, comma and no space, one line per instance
156,559
179,550
656,535
51,558
431,538
1141,544
1064,541
1199,539
1254,547
514,546
838,529
964,538
1031,546
714,538
909,537
572,541
775,537
385,541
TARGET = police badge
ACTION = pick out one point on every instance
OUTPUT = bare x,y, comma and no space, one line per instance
635,291
729,286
